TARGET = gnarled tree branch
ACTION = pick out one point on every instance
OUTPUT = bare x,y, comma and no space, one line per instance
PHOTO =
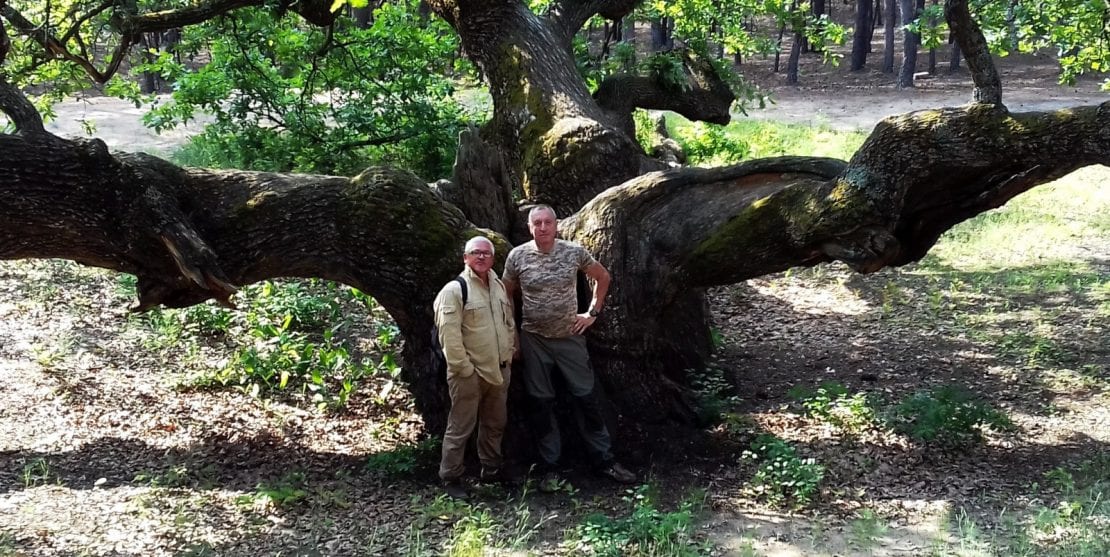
704,96
22,113
316,12
571,15
56,48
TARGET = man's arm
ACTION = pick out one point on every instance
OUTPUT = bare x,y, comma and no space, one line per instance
600,276
449,314
510,292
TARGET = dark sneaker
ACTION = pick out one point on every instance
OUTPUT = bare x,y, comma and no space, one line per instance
550,482
614,471
498,476
455,490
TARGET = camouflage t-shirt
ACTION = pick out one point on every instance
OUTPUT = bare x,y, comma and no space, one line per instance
548,284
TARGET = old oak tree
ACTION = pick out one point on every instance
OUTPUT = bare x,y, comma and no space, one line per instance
191,234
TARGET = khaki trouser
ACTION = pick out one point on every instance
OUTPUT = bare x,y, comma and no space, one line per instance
474,402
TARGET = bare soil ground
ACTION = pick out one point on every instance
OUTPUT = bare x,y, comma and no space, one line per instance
101,452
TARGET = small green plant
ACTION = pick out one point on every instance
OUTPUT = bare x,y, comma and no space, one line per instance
831,403
712,389
36,472
284,493
867,528
647,531
405,459
782,475
472,535
947,414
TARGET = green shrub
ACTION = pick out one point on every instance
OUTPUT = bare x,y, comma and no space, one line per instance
646,531
712,393
947,414
782,475
708,144
405,459
832,404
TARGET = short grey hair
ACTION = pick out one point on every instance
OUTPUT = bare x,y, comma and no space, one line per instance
541,207
473,243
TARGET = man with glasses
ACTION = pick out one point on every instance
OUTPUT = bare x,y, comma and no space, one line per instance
474,317
546,270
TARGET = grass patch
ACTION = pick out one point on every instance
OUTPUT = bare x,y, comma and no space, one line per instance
1072,518
646,531
742,139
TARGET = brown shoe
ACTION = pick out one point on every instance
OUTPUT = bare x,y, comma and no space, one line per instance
455,490
614,471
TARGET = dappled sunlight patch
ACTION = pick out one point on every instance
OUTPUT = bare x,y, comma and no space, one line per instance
833,298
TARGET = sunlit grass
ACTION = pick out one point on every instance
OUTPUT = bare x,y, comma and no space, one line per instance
773,139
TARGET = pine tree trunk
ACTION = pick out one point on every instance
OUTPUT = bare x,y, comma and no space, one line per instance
861,41
888,43
909,57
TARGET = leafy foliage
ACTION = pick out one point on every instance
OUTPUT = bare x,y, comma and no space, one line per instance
709,145
287,96
648,531
832,403
287,337
1077,31
947,414
782,475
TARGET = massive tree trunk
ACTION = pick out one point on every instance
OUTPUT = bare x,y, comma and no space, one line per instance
190,235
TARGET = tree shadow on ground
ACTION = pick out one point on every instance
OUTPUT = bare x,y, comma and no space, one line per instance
900,332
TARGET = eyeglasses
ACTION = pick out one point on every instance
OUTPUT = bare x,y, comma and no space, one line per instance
480,253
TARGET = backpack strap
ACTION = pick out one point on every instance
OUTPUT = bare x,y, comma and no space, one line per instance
462,286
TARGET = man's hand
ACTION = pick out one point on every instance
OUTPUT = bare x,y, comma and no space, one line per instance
582,321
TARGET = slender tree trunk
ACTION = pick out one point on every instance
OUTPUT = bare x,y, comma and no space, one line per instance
889,28
658,34
909,58
792,62
876,19
363,16
778,50
861,41
954,59
932,50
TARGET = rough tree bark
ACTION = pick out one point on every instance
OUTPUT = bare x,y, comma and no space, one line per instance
911,41
861,41
890,18
193,234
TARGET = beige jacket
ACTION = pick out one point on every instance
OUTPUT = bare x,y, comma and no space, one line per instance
480,336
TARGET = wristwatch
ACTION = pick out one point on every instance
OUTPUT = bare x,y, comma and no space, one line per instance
594,313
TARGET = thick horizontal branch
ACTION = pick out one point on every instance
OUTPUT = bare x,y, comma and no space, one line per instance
915,177
191,234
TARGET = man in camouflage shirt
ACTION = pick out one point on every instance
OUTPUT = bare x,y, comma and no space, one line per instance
546,271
